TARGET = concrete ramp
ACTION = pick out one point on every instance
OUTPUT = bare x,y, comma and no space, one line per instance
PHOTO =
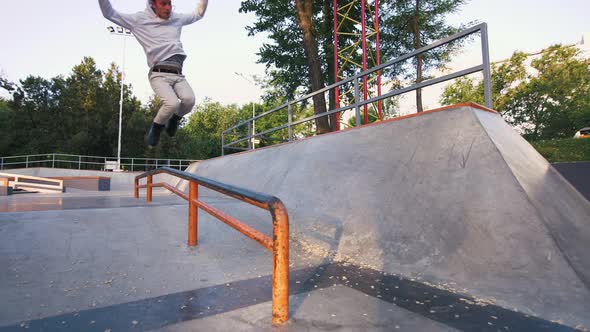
452,197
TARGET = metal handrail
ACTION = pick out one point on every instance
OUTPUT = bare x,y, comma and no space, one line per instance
484,67
93,162
279,246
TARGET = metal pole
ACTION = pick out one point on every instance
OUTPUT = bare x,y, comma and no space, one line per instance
336,89
193,214
251,140
280,264
53,161
131,164
27,162
290,110
121,107
378,49
253,126
222,143
253,137
487,75
148,192
79,162
357,110
364,44
2,163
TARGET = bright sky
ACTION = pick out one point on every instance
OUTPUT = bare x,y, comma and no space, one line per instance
48,37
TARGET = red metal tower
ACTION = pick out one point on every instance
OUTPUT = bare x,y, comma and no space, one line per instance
365,40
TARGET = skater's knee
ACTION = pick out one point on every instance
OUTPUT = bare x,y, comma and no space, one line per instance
172,104
188,101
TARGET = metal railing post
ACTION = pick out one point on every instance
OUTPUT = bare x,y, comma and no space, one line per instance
278,243
27,162
250,135
1,162
79,162
280,263
487,75
357,110
222,143
53,161
290,119
132,164
149,189
193,214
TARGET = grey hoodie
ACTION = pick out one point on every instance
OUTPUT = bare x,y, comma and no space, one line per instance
159,38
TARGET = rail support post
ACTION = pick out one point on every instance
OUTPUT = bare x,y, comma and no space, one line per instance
149,189
280,264
193,214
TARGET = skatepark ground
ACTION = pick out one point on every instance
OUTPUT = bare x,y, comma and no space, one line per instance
439,222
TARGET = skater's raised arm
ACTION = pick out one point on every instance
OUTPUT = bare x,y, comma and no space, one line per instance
197,14
124,20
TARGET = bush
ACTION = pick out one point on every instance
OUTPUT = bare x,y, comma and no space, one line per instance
564,150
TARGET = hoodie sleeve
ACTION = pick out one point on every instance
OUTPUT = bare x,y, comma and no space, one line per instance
196,15
124,20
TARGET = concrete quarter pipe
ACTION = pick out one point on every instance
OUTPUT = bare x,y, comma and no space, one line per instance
453,197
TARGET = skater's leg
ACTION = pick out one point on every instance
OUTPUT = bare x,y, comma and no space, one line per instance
187,101
186,95
163,86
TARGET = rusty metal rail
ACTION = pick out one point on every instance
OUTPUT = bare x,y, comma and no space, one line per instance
278,244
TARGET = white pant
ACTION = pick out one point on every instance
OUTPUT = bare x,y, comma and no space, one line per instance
176,94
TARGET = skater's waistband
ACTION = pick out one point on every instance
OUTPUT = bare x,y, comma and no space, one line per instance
164,69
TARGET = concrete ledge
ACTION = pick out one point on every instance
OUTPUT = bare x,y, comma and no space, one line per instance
5,190
97,183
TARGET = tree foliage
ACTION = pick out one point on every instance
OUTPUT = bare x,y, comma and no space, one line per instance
77,114
287,58
546,97
202,132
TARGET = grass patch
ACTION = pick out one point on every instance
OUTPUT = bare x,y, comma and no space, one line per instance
564,150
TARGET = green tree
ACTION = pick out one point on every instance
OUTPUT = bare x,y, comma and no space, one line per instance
34,112
201,136
295,58
6,118
78,114
547,97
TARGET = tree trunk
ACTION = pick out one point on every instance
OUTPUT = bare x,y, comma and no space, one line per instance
310,45
417,45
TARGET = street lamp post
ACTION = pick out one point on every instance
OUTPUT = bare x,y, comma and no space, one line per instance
253,138
117,30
